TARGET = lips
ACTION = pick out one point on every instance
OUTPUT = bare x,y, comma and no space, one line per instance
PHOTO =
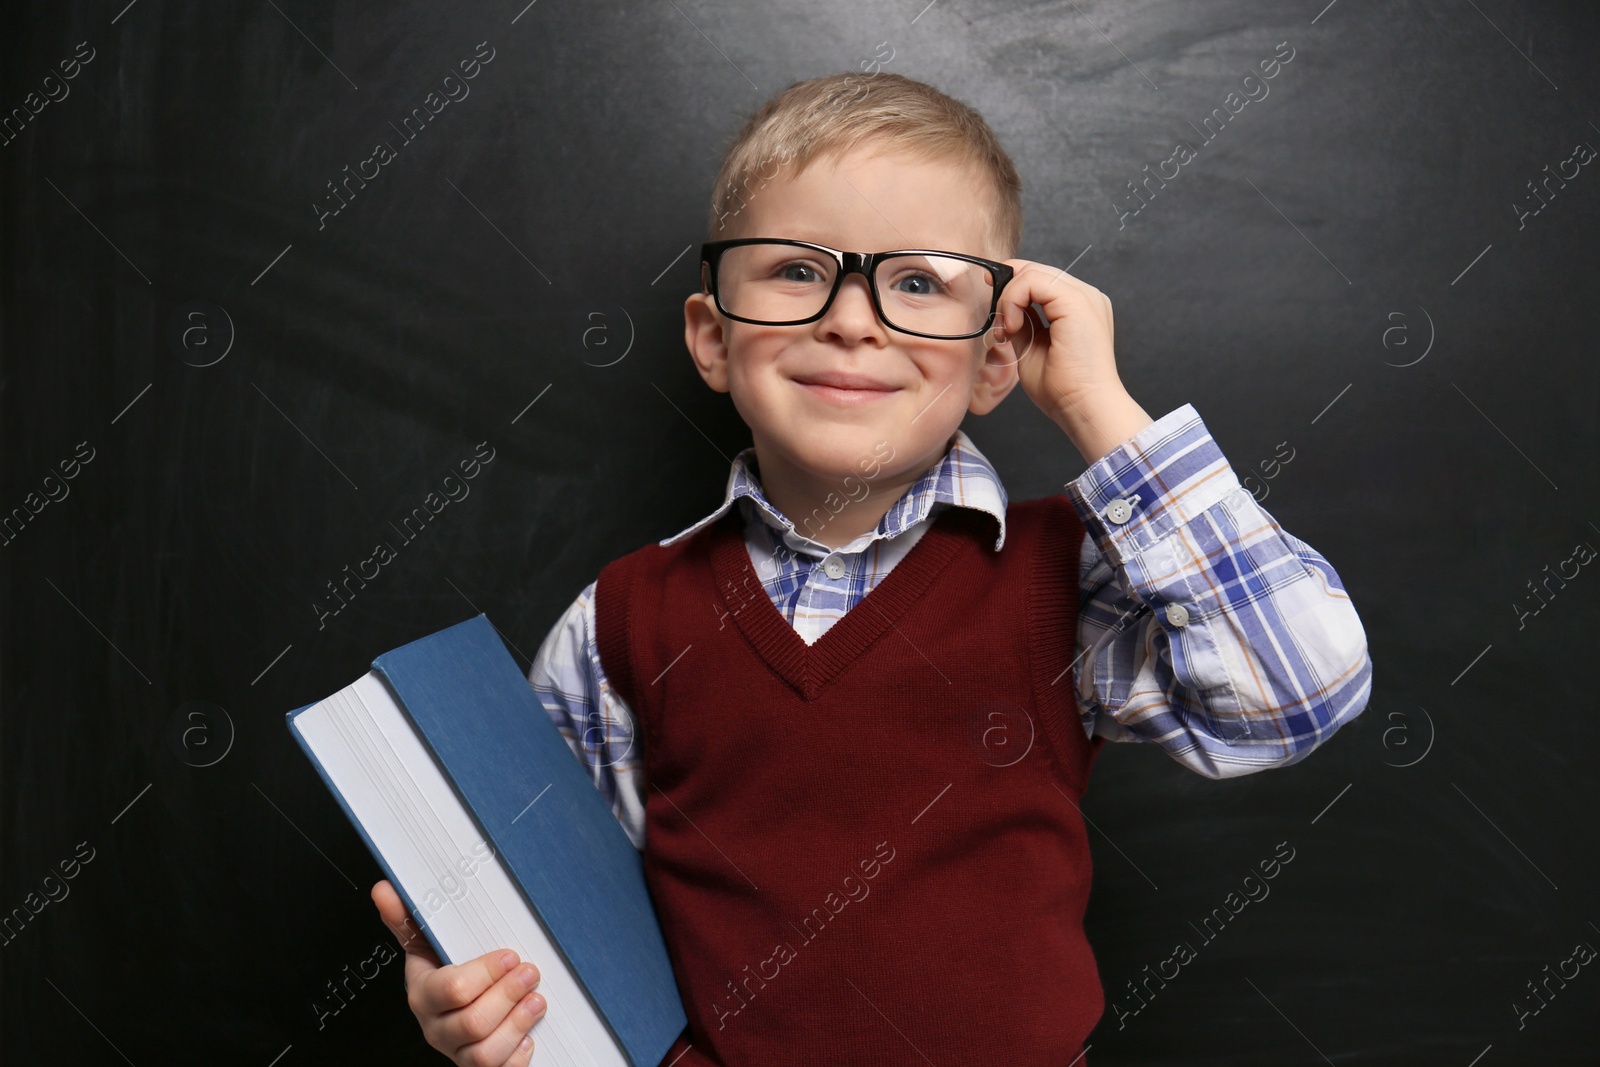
841,380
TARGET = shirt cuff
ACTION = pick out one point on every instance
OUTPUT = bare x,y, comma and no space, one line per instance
1154,482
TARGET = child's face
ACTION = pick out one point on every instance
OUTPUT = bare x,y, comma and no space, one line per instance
862,201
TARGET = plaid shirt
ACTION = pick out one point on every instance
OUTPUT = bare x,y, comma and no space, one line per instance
1203,626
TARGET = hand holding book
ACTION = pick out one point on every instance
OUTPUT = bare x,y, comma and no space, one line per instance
478,1012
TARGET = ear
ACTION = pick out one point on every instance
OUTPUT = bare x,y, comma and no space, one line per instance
997,374
705,334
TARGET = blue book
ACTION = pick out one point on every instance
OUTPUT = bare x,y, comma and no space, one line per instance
495,837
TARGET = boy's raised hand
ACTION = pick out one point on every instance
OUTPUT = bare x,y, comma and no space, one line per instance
1069,367
479,1012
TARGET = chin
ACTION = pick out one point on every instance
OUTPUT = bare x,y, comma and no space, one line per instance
861,456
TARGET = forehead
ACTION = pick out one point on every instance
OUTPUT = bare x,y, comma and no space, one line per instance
873,198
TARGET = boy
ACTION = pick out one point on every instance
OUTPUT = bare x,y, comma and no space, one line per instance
848,716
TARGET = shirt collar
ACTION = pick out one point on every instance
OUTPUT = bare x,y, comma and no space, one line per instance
961,478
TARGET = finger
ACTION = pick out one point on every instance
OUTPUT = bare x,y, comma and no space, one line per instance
1012,301
514,1034
1052,288
523,1054
1008,347
393,912
1021,318
1029,336
461,986
494,1016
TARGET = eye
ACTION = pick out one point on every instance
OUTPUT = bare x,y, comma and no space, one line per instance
797,271
918,283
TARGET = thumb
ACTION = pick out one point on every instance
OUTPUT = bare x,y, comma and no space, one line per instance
1029,344
393,912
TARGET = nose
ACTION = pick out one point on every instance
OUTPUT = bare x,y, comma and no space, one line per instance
851,317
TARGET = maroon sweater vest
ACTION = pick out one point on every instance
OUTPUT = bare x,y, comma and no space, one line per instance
867,850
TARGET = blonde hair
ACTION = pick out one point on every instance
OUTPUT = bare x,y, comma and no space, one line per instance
836,112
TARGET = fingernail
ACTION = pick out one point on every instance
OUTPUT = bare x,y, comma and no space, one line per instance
508,960
527,1039
528,977
536,1003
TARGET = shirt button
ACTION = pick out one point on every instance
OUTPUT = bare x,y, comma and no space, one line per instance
1119,511
833,567
1177,615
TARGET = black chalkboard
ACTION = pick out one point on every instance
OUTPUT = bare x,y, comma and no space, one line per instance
223,380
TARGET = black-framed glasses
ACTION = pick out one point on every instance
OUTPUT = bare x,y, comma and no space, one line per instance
769,281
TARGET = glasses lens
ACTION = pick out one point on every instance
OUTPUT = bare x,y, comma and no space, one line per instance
932,294
774,283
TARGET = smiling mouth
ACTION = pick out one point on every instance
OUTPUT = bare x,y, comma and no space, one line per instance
840,395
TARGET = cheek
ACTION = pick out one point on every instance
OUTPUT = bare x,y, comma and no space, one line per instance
753,384
956,365
756,359
739,392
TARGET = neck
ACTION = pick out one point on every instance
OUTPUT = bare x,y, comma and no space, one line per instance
834,510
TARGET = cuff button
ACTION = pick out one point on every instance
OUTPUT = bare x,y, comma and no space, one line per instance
1177,615
1119,511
